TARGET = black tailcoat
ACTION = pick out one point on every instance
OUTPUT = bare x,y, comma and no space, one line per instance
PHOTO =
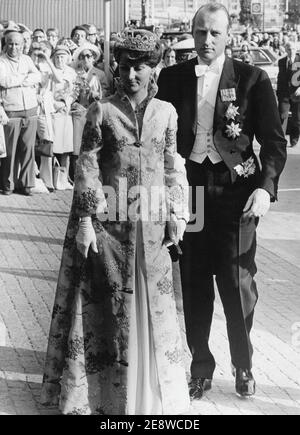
258,116
285,90
226,246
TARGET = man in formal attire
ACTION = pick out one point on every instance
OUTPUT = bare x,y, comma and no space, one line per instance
288,91
222,104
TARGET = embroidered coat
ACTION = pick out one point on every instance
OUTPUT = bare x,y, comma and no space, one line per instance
87,357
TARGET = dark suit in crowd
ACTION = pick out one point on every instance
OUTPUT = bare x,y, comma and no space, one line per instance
288,77
226,246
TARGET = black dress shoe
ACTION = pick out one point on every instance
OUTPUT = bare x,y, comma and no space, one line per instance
198,386
7,192
294,142
244,383
26,191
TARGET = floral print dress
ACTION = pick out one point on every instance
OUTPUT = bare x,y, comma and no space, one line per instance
115,344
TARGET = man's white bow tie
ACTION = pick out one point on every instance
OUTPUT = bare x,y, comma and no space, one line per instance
201,70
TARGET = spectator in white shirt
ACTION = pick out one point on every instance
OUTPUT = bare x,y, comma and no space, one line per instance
18,81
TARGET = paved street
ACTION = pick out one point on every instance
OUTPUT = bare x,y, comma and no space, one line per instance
31,236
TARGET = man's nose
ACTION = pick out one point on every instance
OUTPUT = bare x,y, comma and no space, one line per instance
208,38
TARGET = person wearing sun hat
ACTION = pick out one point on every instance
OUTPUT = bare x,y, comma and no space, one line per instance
61,49
68,43
91,85
115,344
63,93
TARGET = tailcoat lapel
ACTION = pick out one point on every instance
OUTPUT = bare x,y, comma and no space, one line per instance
189,95
229,80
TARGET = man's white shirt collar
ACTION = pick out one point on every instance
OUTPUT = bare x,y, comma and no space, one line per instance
216,67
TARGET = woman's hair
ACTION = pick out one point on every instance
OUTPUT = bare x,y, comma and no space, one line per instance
150,58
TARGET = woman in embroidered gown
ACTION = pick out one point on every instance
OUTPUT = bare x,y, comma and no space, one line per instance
115,345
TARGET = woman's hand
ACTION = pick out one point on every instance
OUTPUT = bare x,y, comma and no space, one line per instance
176,229
86,237
60,106
77,109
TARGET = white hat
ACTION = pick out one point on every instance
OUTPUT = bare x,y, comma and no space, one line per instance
86,46
11,27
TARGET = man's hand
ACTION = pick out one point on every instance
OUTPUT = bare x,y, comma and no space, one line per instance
297,92
258,204
45,56
86,237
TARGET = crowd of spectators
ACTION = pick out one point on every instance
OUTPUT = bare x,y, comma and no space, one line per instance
47,82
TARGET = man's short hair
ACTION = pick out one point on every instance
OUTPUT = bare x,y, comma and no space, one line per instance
83,29
212,8
53,30
10,32
39,30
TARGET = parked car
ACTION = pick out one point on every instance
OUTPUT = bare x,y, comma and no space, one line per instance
264,59
185,49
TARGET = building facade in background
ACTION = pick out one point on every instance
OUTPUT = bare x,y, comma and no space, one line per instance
168,11
164,11
63,14
274,14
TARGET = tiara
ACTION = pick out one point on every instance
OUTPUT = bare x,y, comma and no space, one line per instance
138,40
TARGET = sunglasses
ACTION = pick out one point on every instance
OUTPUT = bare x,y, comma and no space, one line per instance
86,56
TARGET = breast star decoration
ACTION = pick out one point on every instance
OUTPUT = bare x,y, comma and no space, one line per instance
233,129
232,112
247,168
